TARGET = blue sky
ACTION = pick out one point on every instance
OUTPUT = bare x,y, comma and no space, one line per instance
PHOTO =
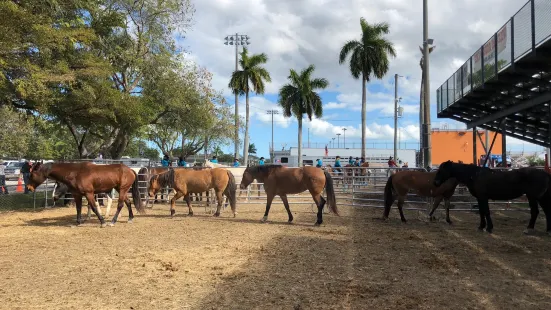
295,34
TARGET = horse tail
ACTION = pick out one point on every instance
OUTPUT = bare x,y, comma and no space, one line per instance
389,199
136,197
231,190
330,189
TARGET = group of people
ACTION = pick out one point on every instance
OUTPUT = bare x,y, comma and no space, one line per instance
166,162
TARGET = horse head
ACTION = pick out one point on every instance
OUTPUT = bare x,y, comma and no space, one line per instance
154,185
248,177
39,174
444,173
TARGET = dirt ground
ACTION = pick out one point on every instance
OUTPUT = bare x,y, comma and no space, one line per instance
355,261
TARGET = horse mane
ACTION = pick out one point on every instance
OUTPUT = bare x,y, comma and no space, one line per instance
44,169
263,169
165,179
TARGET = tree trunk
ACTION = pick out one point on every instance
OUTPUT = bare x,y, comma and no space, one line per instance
183,143
117,148
364,101
206,148
299,119
246,140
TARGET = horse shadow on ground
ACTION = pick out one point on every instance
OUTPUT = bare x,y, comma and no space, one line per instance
379,265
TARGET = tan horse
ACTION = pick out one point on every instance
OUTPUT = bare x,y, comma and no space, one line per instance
401,182
280,180
186,181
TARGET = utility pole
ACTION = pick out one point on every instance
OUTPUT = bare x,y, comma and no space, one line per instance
344,138
237,39
427,127
395,116
333,141
338,140
308,137
272,112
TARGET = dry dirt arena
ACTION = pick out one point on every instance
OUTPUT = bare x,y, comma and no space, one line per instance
355,261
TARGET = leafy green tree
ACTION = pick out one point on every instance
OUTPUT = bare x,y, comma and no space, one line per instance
15,134
299,97
251,77
369,56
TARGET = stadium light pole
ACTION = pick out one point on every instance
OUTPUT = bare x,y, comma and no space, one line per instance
272,112
338,140
333,141
237,39
344,138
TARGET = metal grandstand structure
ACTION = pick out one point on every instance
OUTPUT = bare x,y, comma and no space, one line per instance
505,86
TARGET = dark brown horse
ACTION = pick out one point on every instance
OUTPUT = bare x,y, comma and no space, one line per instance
86,179
422,183
280,180
187,181
484,184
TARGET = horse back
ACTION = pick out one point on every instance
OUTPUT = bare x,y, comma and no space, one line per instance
423,183
500,185
295,180
193,181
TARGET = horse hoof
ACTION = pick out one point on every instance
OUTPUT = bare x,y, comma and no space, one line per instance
111,224
432,218
529,231
216,214
129,222
172,212
234,214
317,224
103,225
264,219
489,230
449,222
404,221
190,214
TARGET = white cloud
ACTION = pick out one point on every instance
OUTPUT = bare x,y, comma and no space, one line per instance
323,128
258,110
379,102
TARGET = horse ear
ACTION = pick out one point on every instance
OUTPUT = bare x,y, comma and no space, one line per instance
247,165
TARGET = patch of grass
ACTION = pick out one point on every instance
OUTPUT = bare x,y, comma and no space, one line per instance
19,202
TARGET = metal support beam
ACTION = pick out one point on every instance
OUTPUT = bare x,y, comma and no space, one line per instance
484,146
512,110
504,144
474,146
493,141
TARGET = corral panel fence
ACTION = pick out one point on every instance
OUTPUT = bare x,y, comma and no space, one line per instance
354,186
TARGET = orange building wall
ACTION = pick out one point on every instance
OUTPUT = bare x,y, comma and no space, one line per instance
458,145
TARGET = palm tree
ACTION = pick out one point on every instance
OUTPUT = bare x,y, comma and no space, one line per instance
252,148
298,97
369,57
251,72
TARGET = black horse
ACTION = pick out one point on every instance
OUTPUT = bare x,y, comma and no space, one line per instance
484,184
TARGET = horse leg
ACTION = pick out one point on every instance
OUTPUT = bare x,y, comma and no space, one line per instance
173,203
187,198
437,201
269,199
320,202
92,204
89,214
130,213
109,203
534,212
400,204
286,204
219,198
119,208
483,209
78,204
545,203
447,205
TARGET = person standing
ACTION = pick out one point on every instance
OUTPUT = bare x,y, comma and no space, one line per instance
26,172
182,161
236,162
319,163
214,160
261,161
3,186
165,162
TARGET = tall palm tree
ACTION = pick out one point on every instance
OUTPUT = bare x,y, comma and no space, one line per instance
369,57
422,103
252,76
299,97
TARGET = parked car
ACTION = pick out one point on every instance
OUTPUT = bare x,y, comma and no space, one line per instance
13,169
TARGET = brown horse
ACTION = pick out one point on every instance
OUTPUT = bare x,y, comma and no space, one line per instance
86,179
186,181
145,174
401,182
280,180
